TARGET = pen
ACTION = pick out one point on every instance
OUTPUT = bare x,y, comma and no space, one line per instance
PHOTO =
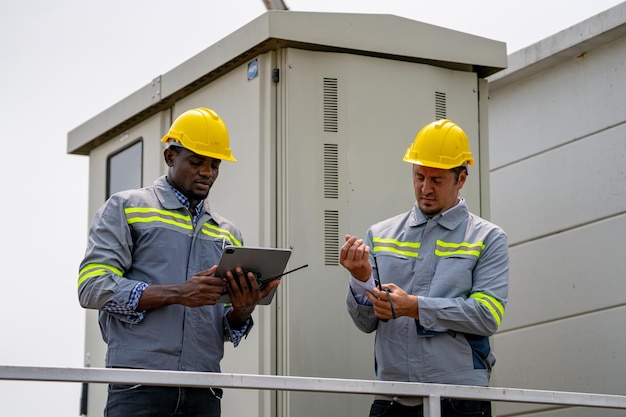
263,281
377,280
380,288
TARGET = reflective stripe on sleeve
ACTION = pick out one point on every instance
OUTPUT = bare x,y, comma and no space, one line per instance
496,307
94,270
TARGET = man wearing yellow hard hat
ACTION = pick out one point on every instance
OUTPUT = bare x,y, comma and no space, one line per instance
149,268
431,282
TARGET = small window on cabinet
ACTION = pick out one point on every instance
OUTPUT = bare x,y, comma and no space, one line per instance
124,168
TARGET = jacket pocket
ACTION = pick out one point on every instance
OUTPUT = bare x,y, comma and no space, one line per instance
395,268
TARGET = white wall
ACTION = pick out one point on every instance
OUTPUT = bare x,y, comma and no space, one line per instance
558,187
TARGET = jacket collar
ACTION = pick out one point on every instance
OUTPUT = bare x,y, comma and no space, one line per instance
166,196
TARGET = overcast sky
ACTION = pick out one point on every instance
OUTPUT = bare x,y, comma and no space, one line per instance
63,62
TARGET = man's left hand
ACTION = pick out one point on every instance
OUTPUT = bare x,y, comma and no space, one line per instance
245,294
404,304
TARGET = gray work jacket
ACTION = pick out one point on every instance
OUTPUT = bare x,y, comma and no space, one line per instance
457,264
147,235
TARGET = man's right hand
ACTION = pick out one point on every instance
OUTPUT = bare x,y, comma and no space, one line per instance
355,257
200,290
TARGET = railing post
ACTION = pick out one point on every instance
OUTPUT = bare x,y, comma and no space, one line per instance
432,406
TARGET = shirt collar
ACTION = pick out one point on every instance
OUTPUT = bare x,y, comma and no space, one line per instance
195,212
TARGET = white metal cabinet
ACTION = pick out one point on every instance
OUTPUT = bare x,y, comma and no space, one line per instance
348,121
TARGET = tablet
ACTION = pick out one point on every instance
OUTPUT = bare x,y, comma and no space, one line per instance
265,263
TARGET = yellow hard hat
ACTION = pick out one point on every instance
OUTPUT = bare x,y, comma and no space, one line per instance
440,144
203,132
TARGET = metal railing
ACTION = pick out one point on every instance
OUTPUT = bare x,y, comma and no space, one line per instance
432,393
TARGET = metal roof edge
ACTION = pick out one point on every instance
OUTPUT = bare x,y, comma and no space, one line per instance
307,30
145,102
136,107
570,43
444,45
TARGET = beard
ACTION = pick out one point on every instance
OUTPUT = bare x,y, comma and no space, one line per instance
430,212
193,195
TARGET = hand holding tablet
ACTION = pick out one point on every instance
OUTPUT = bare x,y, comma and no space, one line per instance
267,264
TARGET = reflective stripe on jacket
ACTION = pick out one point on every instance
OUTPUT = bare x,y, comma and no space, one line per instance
147,235
457,264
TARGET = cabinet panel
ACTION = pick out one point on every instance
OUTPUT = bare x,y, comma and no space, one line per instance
349,120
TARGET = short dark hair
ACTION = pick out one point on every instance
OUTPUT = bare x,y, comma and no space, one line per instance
457,171
175,148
